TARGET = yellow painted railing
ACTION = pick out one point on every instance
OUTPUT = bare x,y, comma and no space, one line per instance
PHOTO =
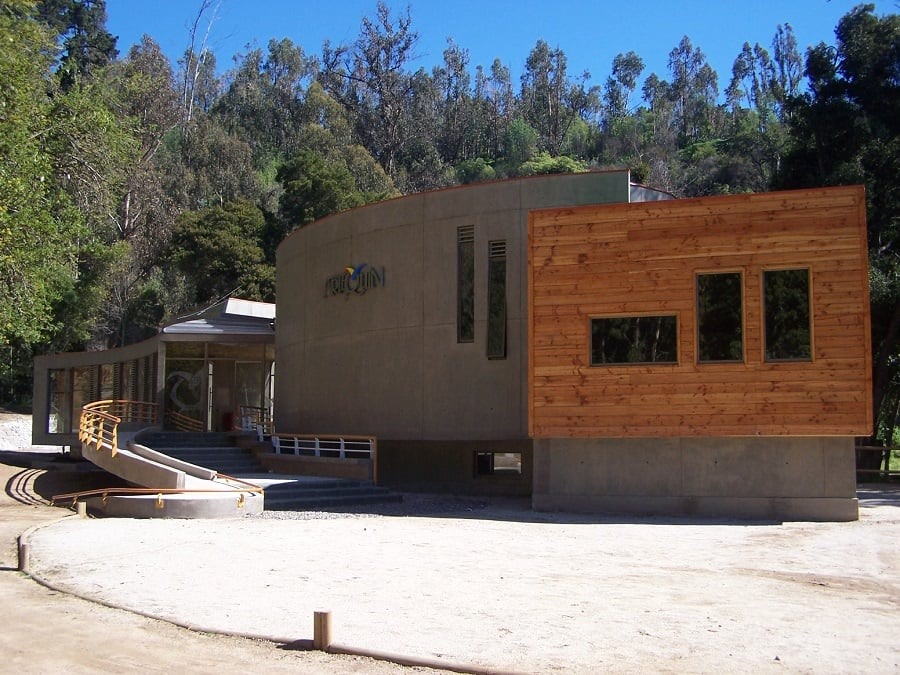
183,422
100,420
99,428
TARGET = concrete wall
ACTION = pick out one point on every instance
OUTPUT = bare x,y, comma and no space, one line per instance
758,477
387,362
449,467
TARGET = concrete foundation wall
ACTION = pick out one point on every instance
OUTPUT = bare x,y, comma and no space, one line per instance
450,467
759,478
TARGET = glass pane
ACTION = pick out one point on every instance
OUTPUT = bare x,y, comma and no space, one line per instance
250,381
59,417
83,387
720,317
787,315
496,335
185,380
465,289
638,339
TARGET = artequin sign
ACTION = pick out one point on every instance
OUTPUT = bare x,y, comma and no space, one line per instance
355,280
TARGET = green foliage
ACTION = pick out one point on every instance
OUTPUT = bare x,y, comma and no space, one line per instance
544,163
314,188
474,171
847,130
39,228
218,250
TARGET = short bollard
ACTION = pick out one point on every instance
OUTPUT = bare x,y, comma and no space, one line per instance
321,630
81,509
23,555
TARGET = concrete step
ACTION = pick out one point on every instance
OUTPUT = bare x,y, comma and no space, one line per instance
220,452
306,495
322,502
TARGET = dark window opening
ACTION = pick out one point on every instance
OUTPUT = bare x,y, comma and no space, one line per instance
786,299
465,284
634,339
498,463
496,323
720,330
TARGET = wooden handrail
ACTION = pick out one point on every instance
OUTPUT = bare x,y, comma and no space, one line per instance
99,423
184,422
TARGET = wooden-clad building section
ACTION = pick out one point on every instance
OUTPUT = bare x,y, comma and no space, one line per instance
602,274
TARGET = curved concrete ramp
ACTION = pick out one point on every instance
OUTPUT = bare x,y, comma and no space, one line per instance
171,488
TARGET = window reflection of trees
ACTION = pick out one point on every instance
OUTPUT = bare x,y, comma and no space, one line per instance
637,339
786,295
720,331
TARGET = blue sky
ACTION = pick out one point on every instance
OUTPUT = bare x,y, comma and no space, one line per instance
590,33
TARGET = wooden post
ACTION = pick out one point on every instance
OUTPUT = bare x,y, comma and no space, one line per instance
321,630
23,555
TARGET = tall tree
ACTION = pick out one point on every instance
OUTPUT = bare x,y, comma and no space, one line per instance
694,90
845,130
219,251
550,100
81,29
370,81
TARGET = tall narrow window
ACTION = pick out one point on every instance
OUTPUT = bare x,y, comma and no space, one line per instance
465,284
720,325
634,339
786,297
496,324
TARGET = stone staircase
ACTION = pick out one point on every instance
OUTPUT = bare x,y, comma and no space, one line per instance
283,492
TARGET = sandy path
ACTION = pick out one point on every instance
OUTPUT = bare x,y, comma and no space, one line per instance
515,590
499,586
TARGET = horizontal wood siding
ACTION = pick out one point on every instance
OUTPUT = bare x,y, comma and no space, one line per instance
642,259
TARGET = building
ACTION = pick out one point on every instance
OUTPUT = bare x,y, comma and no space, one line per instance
204,367
577,339
589,343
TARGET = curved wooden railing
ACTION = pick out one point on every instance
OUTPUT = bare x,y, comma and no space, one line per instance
183,422
100,420
99,428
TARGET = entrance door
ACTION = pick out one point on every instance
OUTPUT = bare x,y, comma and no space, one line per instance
221,399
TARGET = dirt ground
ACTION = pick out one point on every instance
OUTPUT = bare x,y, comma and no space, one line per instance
497,586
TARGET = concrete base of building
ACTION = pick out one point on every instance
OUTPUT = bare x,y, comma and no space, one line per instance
456,467
760,478
741,508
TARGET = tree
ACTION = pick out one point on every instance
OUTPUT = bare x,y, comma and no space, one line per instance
694,90
315,188
846,130
81,28
550,101
620,85
369,80
218,251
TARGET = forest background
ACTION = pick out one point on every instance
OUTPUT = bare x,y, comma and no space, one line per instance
134,190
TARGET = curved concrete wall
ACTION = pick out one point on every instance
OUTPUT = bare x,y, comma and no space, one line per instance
387,361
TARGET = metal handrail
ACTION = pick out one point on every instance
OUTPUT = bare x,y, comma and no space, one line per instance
319,443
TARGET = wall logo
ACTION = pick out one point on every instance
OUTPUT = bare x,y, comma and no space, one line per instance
354,280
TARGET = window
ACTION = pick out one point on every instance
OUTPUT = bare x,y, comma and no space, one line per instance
498,463
786,300
720,334
636,339
465,284
496,323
